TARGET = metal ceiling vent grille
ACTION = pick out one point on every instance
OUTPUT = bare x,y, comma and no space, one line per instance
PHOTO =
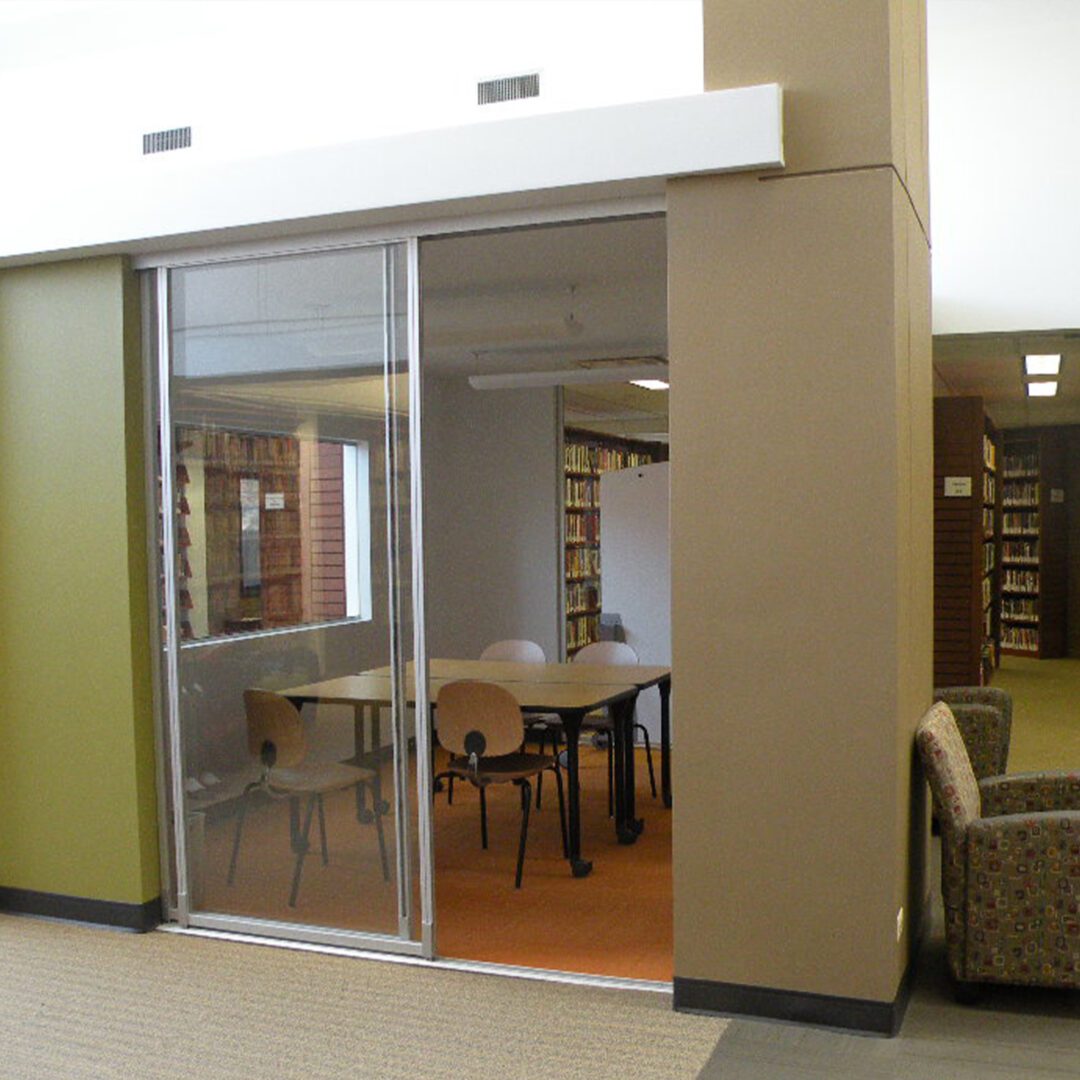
508,89
156,142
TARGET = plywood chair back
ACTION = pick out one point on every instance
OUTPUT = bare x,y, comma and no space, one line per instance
275,730
525,652
606,652
479,717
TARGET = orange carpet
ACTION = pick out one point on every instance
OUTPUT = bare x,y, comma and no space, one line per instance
617,921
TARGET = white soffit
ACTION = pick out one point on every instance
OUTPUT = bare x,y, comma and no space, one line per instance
162,198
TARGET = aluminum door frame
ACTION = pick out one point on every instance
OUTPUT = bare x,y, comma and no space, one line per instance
411,940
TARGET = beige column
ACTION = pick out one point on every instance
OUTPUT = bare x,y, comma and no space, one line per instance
802,521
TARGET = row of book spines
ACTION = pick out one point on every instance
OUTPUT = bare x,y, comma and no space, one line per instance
1021,464
1020,522
989,452
582,528
1021,638
1012,608
1020,551
582,562
582,631
989,488
586,458
581,598
987,593
582,493
1020,492
1020,581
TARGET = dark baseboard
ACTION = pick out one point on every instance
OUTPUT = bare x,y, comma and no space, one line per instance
794,1006
140,917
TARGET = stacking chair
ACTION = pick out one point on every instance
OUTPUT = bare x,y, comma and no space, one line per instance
613,652
276,740
525,652
540,726
480,724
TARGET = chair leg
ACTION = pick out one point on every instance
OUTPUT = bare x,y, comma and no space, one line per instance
648,756
322,831
378,815
450,790
483,818
562,810
240,814
526,802
303,846
540,776
611,774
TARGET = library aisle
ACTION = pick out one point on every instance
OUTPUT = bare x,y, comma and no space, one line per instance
1046,721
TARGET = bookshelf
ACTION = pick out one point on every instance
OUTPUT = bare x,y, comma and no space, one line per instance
586,457
1033,556
967,543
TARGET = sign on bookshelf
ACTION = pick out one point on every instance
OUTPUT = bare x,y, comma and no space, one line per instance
958,487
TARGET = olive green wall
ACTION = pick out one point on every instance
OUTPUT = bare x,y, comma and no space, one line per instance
77,786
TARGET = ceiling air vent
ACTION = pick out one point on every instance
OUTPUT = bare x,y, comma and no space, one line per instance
508,89
156,142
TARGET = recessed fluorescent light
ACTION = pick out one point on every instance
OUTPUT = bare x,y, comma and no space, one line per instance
1042,363
1042,389
649,384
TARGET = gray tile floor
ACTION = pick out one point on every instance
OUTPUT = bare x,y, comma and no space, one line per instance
1013,1033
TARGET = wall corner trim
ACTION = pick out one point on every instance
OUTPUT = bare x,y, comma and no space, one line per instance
795,1006
138,917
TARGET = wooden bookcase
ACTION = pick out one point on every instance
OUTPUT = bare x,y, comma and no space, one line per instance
586,457
1034,537
967,543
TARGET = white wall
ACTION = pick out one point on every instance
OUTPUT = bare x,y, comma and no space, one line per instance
635,568
258,80
1004,89
491,551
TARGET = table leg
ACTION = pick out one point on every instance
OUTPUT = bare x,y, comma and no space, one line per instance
627,825
572,726
665,740
359,755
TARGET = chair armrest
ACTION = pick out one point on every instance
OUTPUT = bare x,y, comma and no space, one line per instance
986,737
1030,793
1023,887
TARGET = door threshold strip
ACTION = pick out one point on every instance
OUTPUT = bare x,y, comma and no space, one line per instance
478,967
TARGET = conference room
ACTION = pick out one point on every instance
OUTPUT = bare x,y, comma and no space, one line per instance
319,569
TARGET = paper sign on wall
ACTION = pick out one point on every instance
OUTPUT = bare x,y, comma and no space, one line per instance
957,487
275,500
1057,495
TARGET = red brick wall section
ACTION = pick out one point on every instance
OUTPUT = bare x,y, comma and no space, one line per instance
327,534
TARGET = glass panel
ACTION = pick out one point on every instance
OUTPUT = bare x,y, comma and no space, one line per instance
289,420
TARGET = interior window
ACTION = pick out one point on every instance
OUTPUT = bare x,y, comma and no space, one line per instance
275,531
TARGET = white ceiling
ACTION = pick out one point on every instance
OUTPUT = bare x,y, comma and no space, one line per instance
990,366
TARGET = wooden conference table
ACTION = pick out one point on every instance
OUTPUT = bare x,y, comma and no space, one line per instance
569,690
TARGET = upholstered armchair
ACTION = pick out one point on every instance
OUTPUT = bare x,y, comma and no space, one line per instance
984,716
1010,865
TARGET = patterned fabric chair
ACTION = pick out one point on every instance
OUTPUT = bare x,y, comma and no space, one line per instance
984,716
1010,865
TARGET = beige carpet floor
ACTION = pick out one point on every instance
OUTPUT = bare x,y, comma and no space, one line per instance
82,1002
1046,712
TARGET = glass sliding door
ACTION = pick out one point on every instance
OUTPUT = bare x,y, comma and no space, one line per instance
287,479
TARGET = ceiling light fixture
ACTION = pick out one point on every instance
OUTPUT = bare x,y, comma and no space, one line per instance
516,380
1042,389
649,384
1042,363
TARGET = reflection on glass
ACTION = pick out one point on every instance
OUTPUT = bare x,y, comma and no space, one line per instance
276,531
291,501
